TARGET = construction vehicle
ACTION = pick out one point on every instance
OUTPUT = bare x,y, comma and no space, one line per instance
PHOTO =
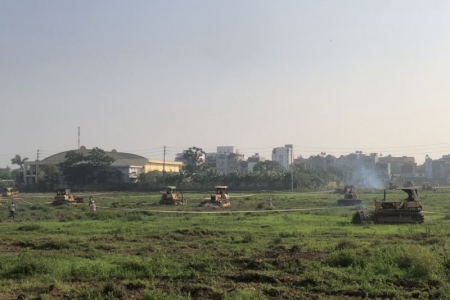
219,199
394,212
9,192
170,197
408,183
338,191
350,197
393,185
63,196
426,186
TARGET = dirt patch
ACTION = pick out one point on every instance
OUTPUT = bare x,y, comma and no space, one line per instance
274,259
201,292
254,277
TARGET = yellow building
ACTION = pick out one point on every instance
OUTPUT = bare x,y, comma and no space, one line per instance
160,165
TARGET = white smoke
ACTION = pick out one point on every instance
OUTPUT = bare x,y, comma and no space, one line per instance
370,178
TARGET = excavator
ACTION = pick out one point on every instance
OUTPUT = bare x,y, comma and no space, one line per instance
394,212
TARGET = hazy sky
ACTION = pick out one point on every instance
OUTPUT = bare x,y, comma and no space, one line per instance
332,76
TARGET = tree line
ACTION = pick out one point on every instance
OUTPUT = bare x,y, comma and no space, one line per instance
265,174
79,170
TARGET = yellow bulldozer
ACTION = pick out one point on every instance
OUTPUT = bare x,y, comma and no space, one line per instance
219,199
394,212
170,197
63,196
426,186
350,197
9,192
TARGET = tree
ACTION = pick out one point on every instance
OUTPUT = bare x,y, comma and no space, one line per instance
17,160
268,166
194,161
74,168
92,168
99,159
50,178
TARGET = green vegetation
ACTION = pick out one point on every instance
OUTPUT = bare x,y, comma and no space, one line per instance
132,248
79,169
17,160
266,176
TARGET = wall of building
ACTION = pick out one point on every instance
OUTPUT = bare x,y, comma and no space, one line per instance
158,165
283,155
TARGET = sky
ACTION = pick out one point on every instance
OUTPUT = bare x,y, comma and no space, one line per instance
326,76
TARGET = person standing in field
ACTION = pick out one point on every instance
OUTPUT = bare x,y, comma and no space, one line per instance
92,205
269,202
12,211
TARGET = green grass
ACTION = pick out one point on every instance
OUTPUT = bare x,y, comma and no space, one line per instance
130,249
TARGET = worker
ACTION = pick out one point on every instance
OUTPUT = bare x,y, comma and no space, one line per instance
91,200
92,205
269,202
12,210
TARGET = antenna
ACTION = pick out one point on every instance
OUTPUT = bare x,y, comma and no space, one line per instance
78,137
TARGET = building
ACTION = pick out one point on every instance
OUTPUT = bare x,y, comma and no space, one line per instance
131,165
227,149
229,162
253,160
317,162
283,155
428,167
211,160
366,169
404,165
441,169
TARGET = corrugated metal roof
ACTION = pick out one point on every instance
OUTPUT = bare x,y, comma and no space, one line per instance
120,158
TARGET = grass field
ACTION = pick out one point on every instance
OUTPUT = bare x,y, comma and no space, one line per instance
132,248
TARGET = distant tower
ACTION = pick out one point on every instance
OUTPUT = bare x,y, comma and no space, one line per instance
429,167
78,138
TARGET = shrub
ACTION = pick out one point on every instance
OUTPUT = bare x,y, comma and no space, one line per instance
133,217
346,244
248,238
112,290
28,266
345,258
53,245
30,227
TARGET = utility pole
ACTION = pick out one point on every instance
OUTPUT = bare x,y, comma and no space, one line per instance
292,169
164,167
37,167
78,137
